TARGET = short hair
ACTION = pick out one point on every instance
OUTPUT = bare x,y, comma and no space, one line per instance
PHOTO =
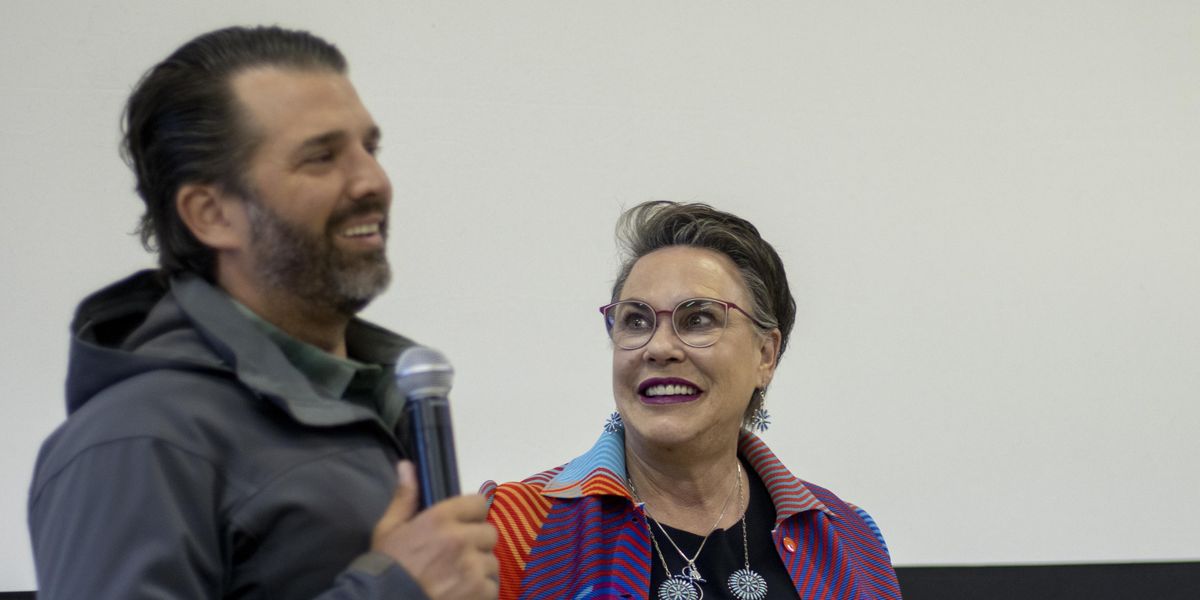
658,224
182,125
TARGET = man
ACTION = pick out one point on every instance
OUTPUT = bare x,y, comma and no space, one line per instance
232,424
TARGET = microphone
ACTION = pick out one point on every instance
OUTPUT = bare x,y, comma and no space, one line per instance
423,376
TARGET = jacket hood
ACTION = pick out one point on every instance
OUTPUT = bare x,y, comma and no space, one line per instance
124,330
147,322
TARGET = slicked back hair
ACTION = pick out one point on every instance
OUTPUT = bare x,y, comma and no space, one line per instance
182,124
659,224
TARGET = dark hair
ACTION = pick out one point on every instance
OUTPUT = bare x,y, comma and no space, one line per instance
182,125
657,224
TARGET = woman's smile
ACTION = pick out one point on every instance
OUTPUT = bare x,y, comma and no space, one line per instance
668,390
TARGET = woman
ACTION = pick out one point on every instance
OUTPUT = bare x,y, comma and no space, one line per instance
678,500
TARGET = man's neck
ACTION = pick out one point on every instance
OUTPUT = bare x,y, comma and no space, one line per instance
317,326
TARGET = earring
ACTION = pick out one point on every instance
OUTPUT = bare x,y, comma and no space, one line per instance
614,423
760,419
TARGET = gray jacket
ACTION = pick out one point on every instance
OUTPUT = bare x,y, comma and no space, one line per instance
196,462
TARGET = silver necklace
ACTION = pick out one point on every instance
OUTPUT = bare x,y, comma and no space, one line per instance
745,583
676,587
685,585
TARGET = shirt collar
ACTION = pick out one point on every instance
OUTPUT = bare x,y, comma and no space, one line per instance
601,471
329,374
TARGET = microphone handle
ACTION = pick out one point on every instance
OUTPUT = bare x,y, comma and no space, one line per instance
433,437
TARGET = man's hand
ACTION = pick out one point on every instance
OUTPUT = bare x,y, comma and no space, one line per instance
447,547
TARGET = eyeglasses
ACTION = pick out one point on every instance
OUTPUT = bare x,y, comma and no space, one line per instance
699,322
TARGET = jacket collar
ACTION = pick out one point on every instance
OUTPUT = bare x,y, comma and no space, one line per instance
260,363
601,471
788,492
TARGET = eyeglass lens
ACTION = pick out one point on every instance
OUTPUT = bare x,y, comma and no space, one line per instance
698,322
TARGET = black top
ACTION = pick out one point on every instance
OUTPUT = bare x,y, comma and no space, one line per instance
724,553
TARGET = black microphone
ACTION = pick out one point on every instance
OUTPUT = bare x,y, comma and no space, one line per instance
424,376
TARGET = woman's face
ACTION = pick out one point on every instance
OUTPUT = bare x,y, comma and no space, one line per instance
671,394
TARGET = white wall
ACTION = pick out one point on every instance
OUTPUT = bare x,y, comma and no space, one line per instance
988,210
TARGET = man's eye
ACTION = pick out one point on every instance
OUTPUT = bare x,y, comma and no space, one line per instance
320,157
373,149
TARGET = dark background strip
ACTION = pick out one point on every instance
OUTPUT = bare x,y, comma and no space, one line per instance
1132,581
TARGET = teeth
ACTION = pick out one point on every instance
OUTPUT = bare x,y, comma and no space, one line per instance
671,390
360,230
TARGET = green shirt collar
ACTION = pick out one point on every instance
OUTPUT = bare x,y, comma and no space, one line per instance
333,376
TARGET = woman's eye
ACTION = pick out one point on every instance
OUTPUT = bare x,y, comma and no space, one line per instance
636,322
699,320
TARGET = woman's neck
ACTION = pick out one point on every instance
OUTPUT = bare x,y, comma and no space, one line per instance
687,489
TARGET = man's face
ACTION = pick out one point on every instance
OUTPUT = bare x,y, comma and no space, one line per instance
316,198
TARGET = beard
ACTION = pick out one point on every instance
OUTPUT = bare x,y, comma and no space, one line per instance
312,267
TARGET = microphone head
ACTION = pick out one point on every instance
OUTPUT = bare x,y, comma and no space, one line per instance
423,372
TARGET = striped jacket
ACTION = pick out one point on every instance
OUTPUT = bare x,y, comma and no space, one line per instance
575,532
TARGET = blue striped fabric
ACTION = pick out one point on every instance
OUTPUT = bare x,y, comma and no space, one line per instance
606,456
874,528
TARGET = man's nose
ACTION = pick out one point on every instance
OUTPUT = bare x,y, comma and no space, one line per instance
368,179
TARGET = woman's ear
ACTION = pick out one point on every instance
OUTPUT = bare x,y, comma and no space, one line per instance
769,356
216,218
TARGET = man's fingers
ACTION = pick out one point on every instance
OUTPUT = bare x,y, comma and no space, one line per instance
472,508
447,547
404,499
486,537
